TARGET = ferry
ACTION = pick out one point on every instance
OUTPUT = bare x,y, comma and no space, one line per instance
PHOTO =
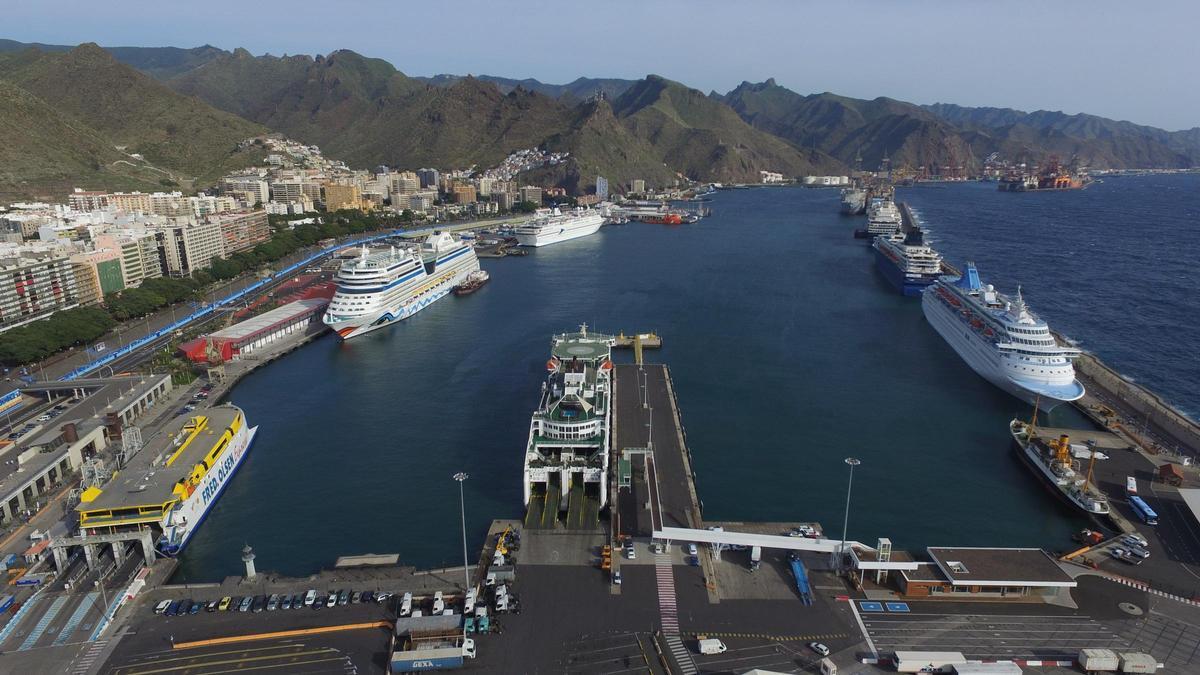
1001,339
171,489
566,456
377,289
907,261
1055,463
551,226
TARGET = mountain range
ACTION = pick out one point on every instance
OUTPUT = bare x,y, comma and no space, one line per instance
134,117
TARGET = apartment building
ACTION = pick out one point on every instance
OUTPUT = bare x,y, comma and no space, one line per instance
530,193
35,286
188,247
242,230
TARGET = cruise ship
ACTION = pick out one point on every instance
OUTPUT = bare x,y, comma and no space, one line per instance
172,487
1001,339
883,219
854,201
566,456
907,261
376,289
1055,463
551,226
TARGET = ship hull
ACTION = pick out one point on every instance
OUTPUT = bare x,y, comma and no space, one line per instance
1026,453
443,282
909,285
198,506
979,355
588,225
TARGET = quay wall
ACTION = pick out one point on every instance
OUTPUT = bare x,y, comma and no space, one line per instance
1143,401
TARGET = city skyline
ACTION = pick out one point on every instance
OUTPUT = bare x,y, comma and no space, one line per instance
1123,63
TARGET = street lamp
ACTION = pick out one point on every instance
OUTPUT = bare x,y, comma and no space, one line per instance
462,508
846,519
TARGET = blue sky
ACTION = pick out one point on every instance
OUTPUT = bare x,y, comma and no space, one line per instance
1134,61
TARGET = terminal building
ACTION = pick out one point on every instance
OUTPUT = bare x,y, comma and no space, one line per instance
245,338
983,572
88,416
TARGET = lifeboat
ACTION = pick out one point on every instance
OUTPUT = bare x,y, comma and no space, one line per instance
552,365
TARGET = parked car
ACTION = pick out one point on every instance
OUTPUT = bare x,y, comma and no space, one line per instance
310,597
691,549
819,648
368,596
259,602
617,578
1139,552
630,553
333,599
173,608
319,602
246,603
162,606
212,606
224,604
273,603
196,607
344,598
1134,539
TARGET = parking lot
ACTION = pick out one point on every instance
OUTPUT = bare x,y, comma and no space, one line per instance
747,654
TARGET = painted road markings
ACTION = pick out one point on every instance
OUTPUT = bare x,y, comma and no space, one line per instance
871,606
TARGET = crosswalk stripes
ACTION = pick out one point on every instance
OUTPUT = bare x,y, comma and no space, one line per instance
43,623
77,617
668,613
84,664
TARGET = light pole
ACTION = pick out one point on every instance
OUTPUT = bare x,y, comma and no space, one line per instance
846,519
462,508
103,597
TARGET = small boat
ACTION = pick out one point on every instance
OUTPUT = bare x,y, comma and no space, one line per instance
475,280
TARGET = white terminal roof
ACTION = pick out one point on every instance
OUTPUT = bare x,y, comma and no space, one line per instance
268,320
1191,497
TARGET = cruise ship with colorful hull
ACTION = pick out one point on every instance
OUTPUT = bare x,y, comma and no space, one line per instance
170,486
907,262
377,289
1001,339
567,455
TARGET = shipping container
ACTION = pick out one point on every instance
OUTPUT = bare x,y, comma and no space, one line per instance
6,602
1098,660
1136,662
918,662
1005,668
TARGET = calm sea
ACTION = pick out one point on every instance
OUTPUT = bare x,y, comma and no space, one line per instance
789,353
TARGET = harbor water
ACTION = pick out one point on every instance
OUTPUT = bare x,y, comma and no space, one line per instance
789,352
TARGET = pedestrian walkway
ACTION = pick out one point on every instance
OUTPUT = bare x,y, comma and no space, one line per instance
77,617
668,613
85,662
43,623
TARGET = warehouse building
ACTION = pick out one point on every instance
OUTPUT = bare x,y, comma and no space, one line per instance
253,334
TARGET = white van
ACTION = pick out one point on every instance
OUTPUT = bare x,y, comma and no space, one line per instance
162,606
468,648
439,603
502,603
309,598
712,646
469,601
406,605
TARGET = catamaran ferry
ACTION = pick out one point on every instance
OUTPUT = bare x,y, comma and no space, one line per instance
566,456
378,289
171,486
1001,339
550,226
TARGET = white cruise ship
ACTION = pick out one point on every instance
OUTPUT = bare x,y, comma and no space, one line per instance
380,288
550,226
883,218
566,456
1001,339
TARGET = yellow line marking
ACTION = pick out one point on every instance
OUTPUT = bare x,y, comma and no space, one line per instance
280,634
187,666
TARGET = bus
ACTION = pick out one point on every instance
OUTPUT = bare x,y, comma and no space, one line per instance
1143,510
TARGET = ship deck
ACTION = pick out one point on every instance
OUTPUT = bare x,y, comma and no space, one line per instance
146,481
589,350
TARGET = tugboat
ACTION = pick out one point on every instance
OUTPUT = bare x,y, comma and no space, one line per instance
475,280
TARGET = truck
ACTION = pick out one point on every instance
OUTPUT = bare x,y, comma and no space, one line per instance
432,656
7,602
928,662
755,558
801,577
